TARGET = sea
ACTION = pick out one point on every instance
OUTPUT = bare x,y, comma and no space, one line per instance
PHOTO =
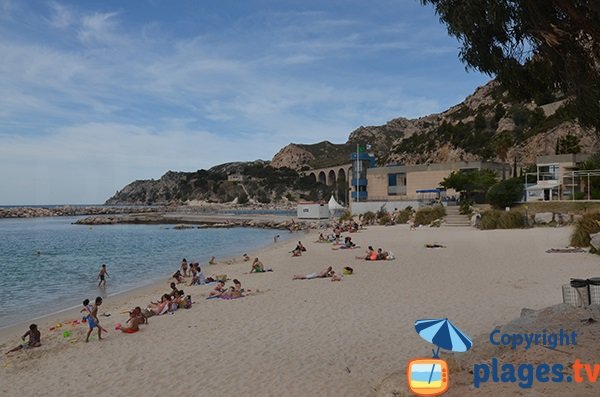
50,264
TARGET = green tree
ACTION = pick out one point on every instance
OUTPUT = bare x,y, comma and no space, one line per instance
505,193
568,144
535,48
470,182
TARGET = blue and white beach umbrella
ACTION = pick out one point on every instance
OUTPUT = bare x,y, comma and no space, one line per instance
442,333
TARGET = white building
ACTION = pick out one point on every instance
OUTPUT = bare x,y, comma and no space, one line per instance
312,210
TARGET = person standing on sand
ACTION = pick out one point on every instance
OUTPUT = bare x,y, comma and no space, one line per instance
184,267
102,275
93,322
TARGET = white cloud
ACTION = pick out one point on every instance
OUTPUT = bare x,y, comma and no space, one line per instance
61,17
96,101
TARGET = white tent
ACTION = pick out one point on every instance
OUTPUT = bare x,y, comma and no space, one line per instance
334,205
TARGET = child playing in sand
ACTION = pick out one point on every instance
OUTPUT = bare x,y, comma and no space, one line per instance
34,339
93,322
102,276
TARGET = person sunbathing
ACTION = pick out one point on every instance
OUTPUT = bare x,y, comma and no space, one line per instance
371,254
382,255
233,292
178,277
336,276
133,327
218,290
257,266
245,257
300,247
324,274
174,289
137,312
160,307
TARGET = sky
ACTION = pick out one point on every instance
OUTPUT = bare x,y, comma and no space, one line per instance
97,94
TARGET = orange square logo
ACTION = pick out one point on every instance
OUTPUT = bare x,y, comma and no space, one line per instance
427,376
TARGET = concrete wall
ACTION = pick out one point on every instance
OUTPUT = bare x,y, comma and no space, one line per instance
374,206
377,185
424,180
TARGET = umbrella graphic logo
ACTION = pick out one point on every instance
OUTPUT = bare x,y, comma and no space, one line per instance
429,376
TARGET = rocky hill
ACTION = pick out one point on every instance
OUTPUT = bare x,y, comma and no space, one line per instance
487,125
263,185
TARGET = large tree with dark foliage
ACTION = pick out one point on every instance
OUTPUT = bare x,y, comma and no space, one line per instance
537,49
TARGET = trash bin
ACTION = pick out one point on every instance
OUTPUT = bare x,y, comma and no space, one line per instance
576,293
594,287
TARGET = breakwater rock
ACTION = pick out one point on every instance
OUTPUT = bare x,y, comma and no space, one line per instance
36,212
205,221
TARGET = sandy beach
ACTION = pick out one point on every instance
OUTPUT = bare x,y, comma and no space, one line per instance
304,337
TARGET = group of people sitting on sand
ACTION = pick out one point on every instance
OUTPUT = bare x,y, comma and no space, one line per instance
169,302
326,273
195,273
379,255
233,292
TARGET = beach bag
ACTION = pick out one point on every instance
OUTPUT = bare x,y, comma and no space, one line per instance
594,289
576,293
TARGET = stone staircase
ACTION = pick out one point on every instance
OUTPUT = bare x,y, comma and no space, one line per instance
454,218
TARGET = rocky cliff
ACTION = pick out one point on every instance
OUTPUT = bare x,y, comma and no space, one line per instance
262,184
487,125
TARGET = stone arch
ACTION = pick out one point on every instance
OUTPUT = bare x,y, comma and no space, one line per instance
322,178
313,176
341,174
331,178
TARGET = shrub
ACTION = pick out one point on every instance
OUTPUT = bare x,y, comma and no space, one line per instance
583,228
505,193
465,207
495,219
290,197
426,215
368,217
384,219
346,216
489,220
511,220
403,216
243,198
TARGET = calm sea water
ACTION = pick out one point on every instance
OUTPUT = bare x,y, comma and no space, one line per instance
65,272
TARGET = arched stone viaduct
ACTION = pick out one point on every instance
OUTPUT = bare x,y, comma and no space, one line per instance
330,175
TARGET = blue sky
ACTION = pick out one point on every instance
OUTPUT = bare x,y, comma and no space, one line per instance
98,94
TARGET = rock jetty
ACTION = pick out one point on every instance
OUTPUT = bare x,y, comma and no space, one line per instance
201,222
36,212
